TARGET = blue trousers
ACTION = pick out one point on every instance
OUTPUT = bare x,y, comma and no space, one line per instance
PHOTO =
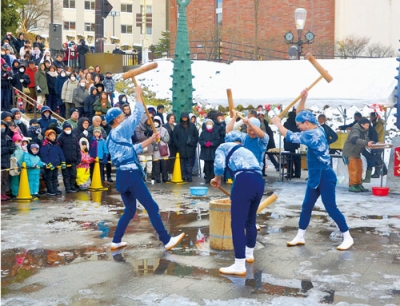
247,191
326,190
132,187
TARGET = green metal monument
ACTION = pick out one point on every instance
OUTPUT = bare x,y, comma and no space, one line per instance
182,86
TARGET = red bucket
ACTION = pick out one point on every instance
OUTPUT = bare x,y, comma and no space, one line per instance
380,191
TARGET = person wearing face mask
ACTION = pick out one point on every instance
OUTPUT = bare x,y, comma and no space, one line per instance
21,80
122,99
7,148
170,126
51,76
81,131
67,93
18,121
46,119
34,164
185,138
88,110
58,85
209,141
41,84
160,169
79,95
69,145
31,71
102,104
6,86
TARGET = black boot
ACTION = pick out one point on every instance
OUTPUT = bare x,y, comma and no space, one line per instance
385,170
49,187
377,173
72,184
67,185
55,189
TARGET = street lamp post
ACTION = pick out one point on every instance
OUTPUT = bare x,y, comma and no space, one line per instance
295,51
113,14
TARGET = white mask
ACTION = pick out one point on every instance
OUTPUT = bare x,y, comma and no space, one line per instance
63,75
68,132
22,70
73,78
209,126
82,84
123,99
156,124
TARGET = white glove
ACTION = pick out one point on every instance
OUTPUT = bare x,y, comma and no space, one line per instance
85,132
38,88
21,80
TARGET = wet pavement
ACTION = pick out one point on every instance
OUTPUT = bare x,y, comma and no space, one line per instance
55,251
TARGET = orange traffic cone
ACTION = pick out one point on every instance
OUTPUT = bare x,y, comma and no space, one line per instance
96,178
24,192
177,174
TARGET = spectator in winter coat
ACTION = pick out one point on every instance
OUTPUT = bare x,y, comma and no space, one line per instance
19,43
58,86
126,109
15,65
169,126
18,121
41,84
51,76
82,49
21,79
209,141
71,150
159,163
96,122
98,148
160,113
264,126
81,131
18,157
36,55
74,117
102,104
7,148
38,43
67,93
31,71
79,95
35,132
83,169
294,162
52,155
185,138
122,99
88,110
34,164
6,86
46,119
59,63
109,83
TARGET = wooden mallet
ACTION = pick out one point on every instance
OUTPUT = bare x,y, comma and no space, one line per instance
324,75
132,74
231,104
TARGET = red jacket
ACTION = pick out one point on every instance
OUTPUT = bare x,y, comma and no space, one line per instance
31,73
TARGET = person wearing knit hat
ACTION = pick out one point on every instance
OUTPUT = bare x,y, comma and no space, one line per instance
256,140
83,168
209,140
16,160
17,119
356,141
98,148
130,175
34,164
52,155
68,143
321,177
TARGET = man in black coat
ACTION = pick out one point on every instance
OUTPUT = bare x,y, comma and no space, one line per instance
294,161
20,78
82,50
7,148
186,137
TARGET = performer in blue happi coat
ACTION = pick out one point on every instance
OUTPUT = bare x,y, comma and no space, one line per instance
321,177
246,194
130,181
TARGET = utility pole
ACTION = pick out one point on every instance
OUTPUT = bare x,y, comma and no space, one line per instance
145,47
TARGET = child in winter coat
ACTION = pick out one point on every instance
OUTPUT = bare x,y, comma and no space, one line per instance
209,140
53,156
33,163
7,148
83,169
16,161
98,148
68,143
159,163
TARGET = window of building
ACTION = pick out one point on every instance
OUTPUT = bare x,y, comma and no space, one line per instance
218,11
69,25
90,5
126,8
148,9
126,29
69,4
149,30
90,26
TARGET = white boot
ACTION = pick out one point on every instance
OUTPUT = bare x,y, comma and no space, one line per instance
173,242
347,242
298,240
249,254
238,268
